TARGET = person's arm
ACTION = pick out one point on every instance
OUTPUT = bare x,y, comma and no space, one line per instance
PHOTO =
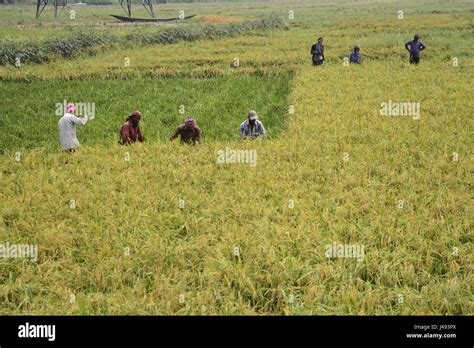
242,130
141,138
262,131
125,134
175,133
79,121
408,46
197,136
422,46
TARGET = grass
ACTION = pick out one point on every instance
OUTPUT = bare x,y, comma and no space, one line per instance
218,104
421,252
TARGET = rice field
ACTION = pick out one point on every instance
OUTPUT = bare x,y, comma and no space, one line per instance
163,228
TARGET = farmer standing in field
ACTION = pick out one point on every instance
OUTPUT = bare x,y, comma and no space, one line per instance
317,52
252,127
67,128
415,47
355,56
130,131
188,131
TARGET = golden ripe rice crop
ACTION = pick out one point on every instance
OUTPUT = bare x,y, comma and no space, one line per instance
163,228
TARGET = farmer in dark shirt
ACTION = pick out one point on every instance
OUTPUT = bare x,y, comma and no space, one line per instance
415,47
130,131
189,132
317,52
355,55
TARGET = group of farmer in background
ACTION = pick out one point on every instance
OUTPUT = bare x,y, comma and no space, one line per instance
414,46
130,132
188,131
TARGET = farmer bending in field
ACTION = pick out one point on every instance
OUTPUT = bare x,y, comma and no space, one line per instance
67,128
252,127
188,131
415,47
130,131
317,52
355,56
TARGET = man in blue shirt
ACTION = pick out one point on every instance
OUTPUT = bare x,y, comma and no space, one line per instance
415,47
317,52
355,55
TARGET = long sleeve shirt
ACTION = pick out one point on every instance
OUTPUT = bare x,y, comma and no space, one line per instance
67,130
257,131
355,58
415,47
130,134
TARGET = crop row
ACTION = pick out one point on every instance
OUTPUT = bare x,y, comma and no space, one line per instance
33,52
209,32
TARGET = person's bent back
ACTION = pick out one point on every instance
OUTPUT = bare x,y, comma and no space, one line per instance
130,131
188,131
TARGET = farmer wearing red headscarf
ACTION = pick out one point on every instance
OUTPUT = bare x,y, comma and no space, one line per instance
130,131
189,132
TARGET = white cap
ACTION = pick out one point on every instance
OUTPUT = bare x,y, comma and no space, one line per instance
253,115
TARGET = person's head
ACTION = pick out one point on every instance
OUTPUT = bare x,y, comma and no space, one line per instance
134,118
190,122
253,117
357,48
320,39
416,37
71,108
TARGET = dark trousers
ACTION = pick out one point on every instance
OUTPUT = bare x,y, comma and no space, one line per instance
318,62
414,59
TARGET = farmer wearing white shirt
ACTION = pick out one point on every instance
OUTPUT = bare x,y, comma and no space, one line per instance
67,128
252,127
